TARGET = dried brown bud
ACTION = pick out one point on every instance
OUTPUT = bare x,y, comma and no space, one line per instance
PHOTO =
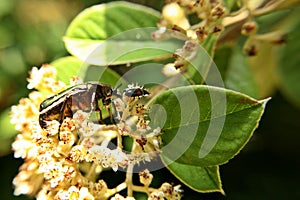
251,50
142,142
179,65
281,40
249,28
178,29
201,33
218,12
216,29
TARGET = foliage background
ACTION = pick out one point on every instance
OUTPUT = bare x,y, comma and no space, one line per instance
31,34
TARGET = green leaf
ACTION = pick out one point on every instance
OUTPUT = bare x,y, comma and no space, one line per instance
117,33
104,75
67,67
222,58
200,67
230,3
200,179
210,43
239,76
145,74
266,22
288,68
204,125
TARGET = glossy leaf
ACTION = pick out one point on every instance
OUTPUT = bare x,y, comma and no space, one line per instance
239,76
204,125
116,33
200,179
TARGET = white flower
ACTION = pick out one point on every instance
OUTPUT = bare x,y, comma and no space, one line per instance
45,79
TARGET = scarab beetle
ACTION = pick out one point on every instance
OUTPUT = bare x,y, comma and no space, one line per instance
83,97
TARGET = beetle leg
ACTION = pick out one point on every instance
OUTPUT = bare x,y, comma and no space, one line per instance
101,118
115,116
62,110
61,117
110,114
95,107
63,114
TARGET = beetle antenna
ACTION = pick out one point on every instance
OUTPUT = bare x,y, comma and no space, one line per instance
115,91
119,86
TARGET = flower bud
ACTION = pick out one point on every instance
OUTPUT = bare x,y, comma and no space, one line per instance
249,28
145,177
175,14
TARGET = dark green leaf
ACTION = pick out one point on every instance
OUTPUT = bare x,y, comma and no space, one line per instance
200,179
200,67
222,59
239,76
204,125
209,44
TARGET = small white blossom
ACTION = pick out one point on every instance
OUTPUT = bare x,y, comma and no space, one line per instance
45,79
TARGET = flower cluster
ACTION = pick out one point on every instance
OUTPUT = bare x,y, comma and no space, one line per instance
175,24
63,160
212,28
166,191
209,12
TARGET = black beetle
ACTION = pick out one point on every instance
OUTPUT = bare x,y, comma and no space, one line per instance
83,97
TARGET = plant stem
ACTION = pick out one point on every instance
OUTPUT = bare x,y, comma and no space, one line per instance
138,188
91,174
129,180
115,190
119,141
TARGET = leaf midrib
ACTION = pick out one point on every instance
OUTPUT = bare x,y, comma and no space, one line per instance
206,120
